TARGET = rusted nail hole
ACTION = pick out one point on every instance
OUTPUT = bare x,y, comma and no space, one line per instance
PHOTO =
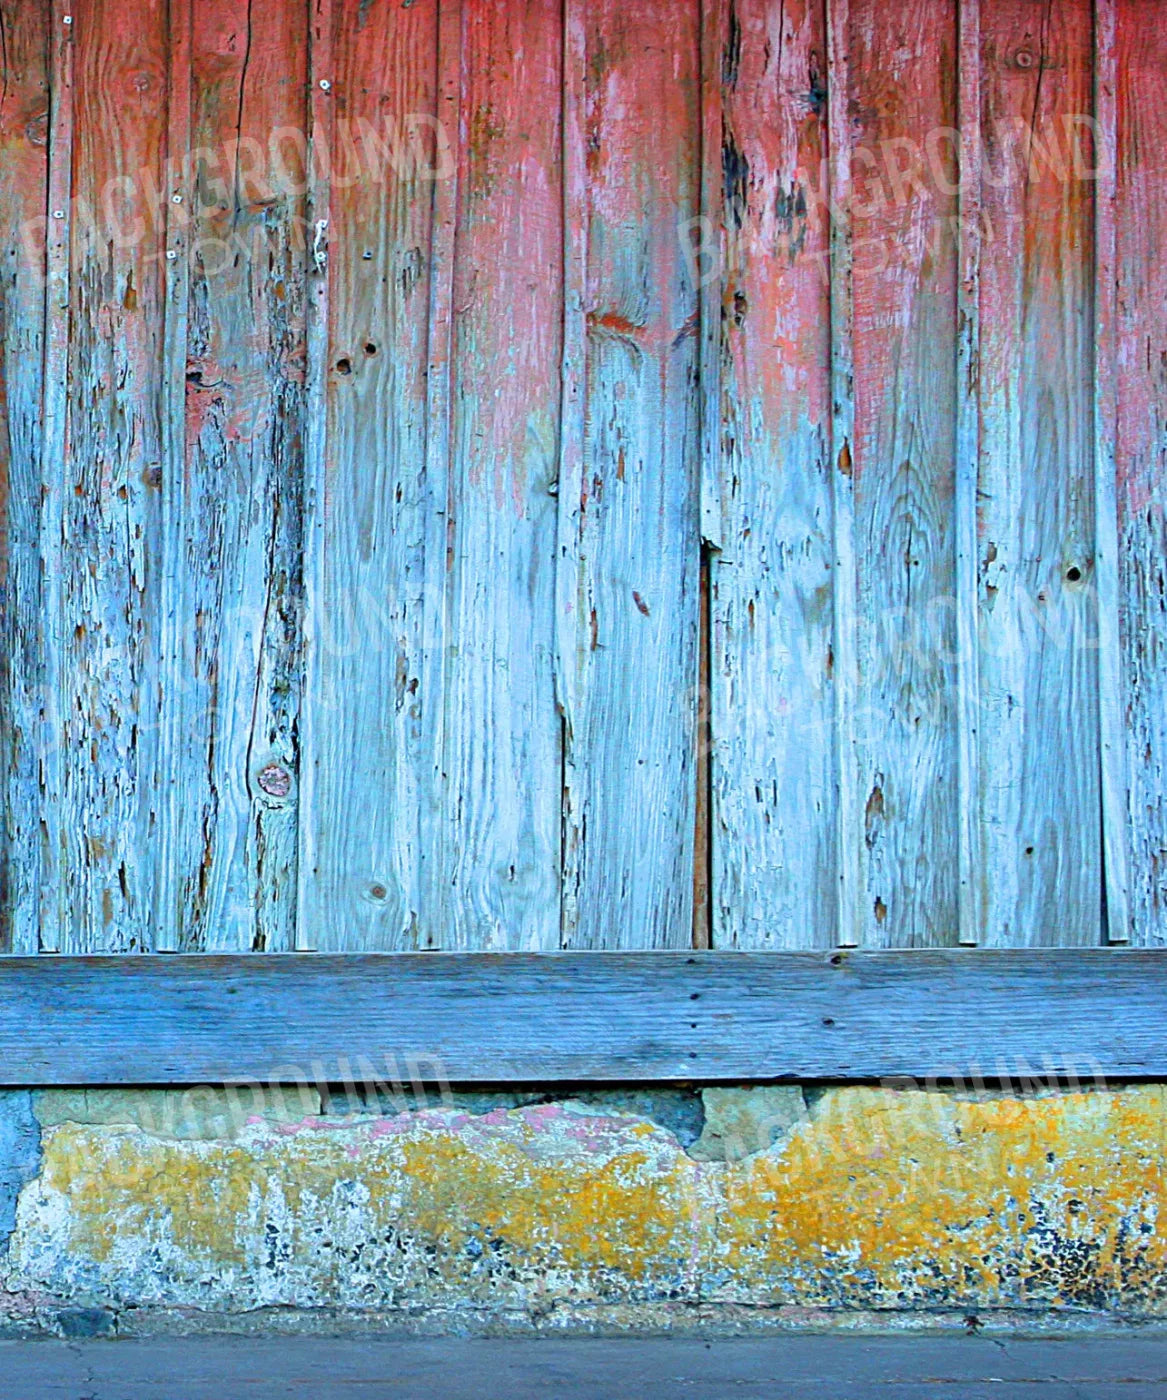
152,476
828,1020
1024,58
1073,573
377,891
836,959
344,366
275,780
370,348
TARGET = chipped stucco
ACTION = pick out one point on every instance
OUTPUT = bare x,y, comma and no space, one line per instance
868,1199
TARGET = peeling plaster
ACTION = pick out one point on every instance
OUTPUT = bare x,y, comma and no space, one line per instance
869,1199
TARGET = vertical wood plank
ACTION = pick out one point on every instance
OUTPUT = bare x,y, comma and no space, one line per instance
46,928
318,637
438,497
903,457
629,875
102,546
774,770
363,765
1140,346
1111,740
844,641
231,682
176,190
496,864
569,656
24,139
1039,673
714,19
968,462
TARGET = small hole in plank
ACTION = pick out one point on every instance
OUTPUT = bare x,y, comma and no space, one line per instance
1029,850
1073,573
828,1020
693,996
344,367
370,348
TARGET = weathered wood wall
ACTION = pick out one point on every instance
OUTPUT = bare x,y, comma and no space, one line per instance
466,466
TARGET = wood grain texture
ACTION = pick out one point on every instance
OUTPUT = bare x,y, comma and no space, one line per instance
1042,868
630,808
317,639
1113,778
965,513
41,930
231,681
772,696
1141,438
362,764
176,191
571,498
494,864
903,456
24,135
844,656
103,618
462,1018
625,410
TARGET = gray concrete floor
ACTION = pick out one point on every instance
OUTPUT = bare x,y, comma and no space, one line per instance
833,1368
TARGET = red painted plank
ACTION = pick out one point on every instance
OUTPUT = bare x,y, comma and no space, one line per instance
363,765
24,132
231,680
903,206
1039,673
630,766
775,859
493,861
1141,388
103,526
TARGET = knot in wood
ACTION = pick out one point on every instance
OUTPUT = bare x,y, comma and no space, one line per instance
275,780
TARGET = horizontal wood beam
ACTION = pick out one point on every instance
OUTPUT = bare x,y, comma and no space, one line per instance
582,1016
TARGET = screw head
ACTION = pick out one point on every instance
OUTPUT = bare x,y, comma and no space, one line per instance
58,213
170,255
176,199
67,19
325,85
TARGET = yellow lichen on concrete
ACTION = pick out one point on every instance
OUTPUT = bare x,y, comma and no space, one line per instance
907,1199
876,1199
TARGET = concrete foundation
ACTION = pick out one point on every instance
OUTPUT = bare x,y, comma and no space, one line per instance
624,1210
